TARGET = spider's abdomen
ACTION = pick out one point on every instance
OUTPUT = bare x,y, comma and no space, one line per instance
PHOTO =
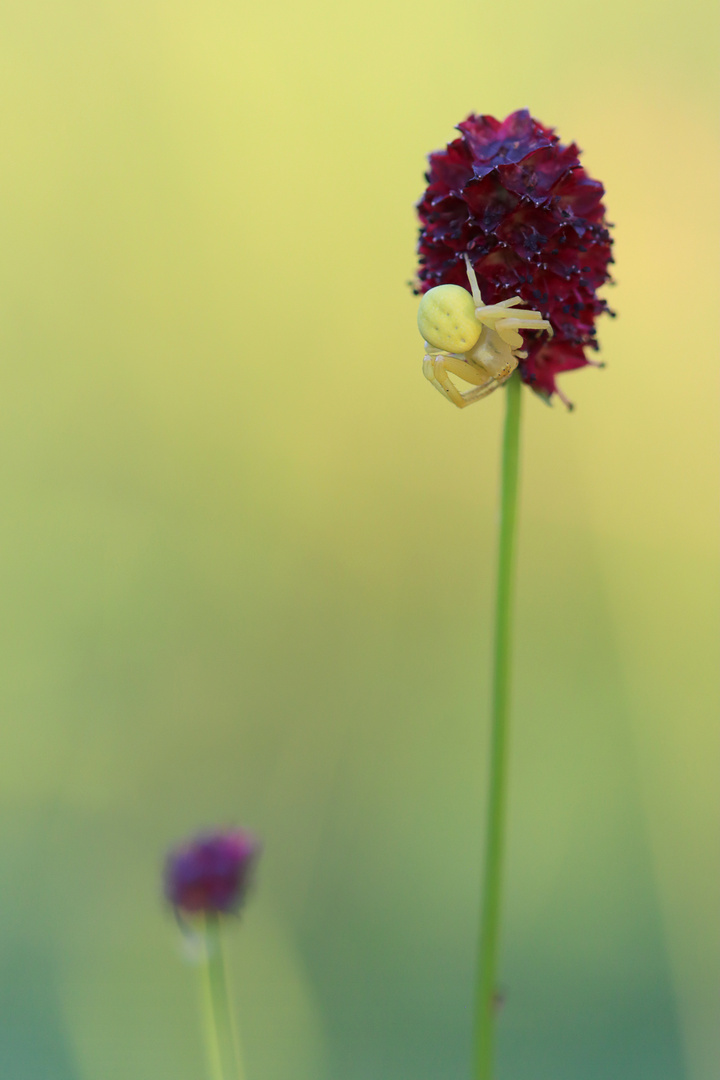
446,319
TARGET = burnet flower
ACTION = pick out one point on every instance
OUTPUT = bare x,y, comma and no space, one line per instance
513,248
207,878
211,873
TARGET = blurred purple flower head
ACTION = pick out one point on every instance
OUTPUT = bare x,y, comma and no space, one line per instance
211,872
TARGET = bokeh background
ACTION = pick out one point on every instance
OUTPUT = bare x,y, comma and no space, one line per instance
246,550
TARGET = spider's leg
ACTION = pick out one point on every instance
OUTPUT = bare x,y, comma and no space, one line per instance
508,329
494,383
472,278
466,370
497,311
483,391
526,320
434,372
436,369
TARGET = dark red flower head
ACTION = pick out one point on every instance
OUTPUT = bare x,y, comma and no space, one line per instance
211,872
519,204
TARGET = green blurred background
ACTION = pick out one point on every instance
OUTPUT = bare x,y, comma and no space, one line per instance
246,550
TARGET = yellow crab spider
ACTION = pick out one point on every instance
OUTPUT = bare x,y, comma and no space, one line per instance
478,343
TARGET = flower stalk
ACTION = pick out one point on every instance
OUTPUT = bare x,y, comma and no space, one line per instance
487,989
223,1047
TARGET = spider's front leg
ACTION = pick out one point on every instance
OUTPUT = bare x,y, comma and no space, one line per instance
507,328
438,365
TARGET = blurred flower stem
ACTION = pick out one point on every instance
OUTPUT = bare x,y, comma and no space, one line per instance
223,1045
487,990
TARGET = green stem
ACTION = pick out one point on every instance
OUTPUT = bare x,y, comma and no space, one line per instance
221,1033
495,827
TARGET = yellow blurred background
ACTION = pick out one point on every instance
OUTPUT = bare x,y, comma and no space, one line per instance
247,551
